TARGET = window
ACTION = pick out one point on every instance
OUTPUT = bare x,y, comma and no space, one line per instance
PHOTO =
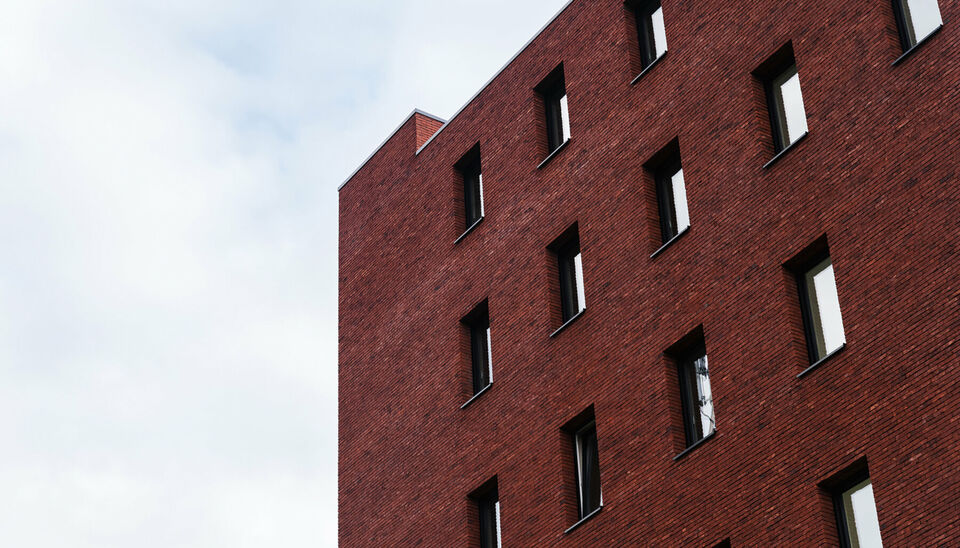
589,497
916,20
671,192
477,323
553,91
570,266
696,399
586,464
786,108
650,30
821,308
788,119
487,501
469,169
856,513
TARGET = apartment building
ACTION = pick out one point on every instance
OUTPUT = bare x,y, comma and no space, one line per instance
681,274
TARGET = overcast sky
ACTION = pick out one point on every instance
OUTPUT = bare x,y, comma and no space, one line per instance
168,176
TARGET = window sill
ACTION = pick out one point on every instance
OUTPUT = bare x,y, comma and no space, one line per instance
574,318
669,242
647,69
477,395
690,449
819,362
468,230
783,152
556,151
583,520
916,46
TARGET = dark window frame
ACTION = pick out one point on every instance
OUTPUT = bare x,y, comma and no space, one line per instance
587,507
470,169
552,90
840,483
477,322
584,423
836,497
569,297
565,249
662,167
486,499
904,32
782,62
643,11
799,267
685,358
667,199
809,324
777,109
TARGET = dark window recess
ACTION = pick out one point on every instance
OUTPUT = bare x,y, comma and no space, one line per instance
696,398
588,469
469,169
854,508
490,521
553,91
819,301
916,19
781,83
570,265
671,192
651,32
487,500
583,435
478,323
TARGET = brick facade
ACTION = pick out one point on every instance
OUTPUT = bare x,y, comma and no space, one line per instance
877,176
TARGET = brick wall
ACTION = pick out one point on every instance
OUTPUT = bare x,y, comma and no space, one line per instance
877,175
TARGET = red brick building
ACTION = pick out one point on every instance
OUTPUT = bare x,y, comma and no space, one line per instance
530,293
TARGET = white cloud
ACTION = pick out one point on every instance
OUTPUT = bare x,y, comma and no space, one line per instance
168,251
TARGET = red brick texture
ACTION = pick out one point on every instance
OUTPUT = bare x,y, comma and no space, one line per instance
426,127
877,176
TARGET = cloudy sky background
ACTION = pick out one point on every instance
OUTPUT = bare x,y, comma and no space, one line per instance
168,176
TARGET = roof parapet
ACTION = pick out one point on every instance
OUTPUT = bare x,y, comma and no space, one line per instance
426,125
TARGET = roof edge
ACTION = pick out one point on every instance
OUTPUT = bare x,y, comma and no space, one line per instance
465,105
494,77
390,136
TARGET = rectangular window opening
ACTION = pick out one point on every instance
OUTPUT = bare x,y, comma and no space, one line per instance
469,169
667,171
477,323
588,470
916,19
583,432
553,91
487,500
570,266
855,510
781,82
696,397
651,33
819,301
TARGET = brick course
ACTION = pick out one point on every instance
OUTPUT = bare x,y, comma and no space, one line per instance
877,175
